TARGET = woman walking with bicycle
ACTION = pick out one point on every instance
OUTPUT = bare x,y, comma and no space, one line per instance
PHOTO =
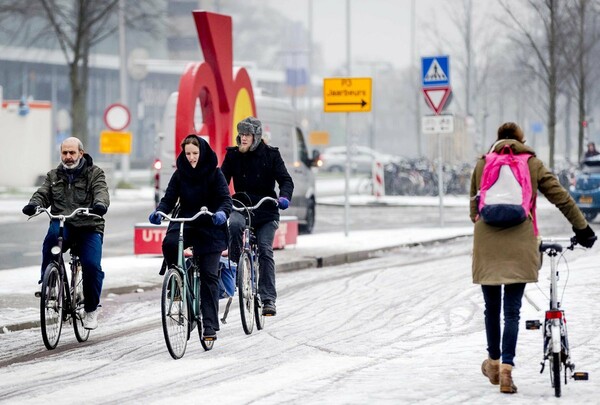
196,183
506,258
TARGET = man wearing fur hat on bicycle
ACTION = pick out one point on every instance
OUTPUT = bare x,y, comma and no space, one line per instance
255,167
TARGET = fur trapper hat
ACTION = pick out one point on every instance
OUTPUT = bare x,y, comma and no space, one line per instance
252,126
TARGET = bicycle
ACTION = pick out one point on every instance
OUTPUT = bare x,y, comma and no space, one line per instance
248,273
180,301
61,301
556,341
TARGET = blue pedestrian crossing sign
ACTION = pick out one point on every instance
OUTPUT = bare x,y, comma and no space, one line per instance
435,71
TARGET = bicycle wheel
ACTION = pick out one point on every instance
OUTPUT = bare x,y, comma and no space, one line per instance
246,297
555,373
175,319
82,334
258,315
51,300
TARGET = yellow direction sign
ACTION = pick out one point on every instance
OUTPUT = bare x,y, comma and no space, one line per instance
347,94
115,142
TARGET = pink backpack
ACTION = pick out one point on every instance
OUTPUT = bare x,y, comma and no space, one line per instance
505,194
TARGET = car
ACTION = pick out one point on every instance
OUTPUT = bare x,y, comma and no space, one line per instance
333,159
586,188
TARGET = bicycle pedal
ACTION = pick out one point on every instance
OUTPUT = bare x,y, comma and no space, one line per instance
209,339
533,325
580,376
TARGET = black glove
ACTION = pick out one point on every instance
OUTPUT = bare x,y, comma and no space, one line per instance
585,237
29,209
99,209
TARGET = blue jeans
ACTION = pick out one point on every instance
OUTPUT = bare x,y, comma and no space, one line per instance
492,294
265,234
89,249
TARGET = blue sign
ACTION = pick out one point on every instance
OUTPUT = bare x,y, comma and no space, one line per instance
537,127
435,71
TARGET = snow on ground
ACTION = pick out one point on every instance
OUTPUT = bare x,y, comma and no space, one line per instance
400,329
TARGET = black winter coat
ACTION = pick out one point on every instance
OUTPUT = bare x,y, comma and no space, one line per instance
255,173
194,188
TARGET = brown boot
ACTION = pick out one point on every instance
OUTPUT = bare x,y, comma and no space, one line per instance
506,383
491,369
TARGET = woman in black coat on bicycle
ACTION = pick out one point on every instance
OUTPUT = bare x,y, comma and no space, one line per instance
196,183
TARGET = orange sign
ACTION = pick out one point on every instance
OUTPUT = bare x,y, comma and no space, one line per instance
347,94
115,142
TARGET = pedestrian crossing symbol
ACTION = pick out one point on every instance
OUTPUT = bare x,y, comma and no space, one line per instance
435,71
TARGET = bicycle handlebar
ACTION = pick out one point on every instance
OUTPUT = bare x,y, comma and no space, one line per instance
203,211
557,244
258,204
62,217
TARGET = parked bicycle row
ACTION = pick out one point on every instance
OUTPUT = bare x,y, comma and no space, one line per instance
420,177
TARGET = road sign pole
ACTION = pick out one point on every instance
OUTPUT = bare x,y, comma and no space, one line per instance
123,80
440,179
347,181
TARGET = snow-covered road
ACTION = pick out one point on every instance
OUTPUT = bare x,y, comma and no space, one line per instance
406,327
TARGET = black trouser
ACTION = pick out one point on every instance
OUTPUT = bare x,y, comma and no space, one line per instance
265,234
208,263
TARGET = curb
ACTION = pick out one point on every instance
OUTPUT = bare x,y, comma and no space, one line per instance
302,263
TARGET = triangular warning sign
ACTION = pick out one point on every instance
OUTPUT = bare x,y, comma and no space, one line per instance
435,73
436,97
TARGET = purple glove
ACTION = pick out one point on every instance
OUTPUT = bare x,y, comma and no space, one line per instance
283,203
155,218
219,218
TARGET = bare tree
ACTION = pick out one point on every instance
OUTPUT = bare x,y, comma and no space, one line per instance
75,26
584,20
473,58
549,65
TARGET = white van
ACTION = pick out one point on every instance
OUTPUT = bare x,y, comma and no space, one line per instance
280,130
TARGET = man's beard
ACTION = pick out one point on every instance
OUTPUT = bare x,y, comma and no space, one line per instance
72,165
244,148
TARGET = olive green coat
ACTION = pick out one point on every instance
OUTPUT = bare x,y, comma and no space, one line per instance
510,255
86,190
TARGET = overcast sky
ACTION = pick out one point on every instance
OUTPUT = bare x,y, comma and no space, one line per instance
381,29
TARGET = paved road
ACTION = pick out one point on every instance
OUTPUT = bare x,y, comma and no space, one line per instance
20,240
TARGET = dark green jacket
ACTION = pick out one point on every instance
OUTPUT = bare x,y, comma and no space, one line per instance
86,190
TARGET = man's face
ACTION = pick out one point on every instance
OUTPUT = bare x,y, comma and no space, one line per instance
70,154
245,142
